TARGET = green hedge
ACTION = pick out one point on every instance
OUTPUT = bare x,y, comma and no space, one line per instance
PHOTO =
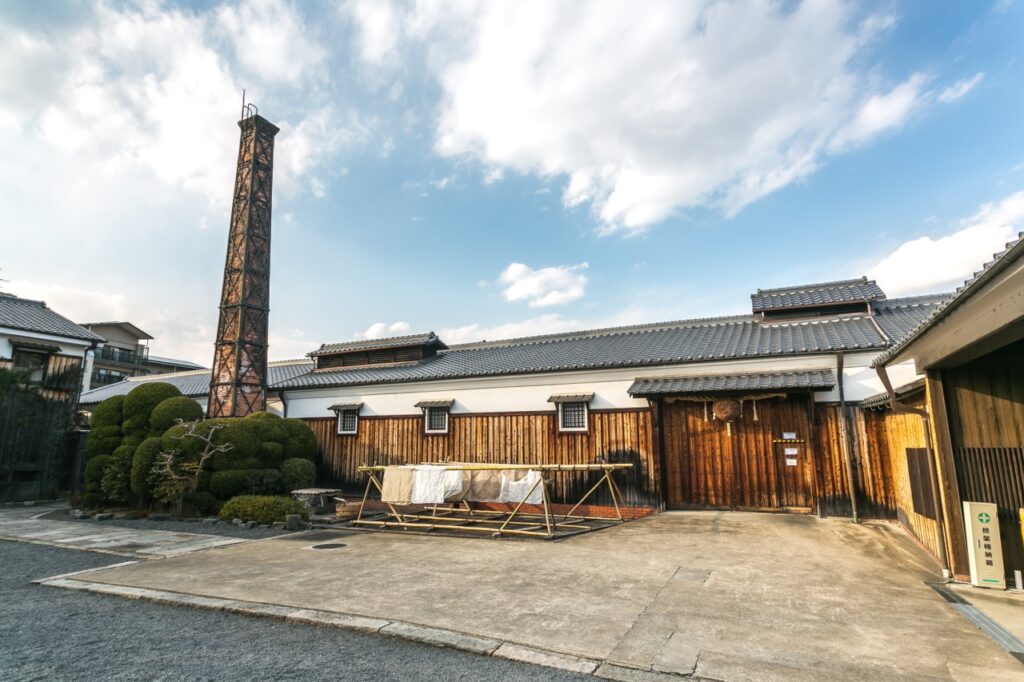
269,428
110,412
261,508
142,470
298,473
272,454
116,483
227,484
301,442
140,401
168,412
94,473
102,440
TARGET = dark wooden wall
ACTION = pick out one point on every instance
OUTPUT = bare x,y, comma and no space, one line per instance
705,466
519,438
985,408
885,437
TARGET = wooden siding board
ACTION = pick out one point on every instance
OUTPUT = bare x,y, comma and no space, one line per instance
621,435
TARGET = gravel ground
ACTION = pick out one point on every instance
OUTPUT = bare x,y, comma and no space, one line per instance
227,529
54,634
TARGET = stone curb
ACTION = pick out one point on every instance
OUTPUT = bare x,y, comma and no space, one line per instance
439,637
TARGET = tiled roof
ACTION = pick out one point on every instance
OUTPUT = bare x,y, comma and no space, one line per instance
999,262
193,383
821,294
34,316
879,400
898,317
376,344
704,340
806,380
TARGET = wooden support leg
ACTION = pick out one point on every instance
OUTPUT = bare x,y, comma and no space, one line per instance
547,506
589,493
519,506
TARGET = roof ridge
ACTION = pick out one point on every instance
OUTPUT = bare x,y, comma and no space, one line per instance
603,331
814,285
24,300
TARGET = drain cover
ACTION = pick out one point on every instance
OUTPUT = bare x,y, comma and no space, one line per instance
330,545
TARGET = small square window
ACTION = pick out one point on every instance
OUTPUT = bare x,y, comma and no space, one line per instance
436,419
572,416
348,422
32,364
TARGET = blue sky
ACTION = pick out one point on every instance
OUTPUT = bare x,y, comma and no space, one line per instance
503,169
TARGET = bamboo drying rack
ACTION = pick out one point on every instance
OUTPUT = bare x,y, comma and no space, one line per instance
463,518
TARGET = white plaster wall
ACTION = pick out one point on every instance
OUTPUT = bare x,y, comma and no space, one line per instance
67,346
530,393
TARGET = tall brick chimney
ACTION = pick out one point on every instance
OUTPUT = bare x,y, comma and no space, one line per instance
238,383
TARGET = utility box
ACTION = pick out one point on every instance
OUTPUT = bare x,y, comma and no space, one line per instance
984,546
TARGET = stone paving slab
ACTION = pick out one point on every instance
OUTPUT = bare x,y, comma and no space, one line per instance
701,594
106,539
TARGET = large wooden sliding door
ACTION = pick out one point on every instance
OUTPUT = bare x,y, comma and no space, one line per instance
754,467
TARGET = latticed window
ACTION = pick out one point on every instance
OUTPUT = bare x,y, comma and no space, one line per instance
348,421
437,419
572,416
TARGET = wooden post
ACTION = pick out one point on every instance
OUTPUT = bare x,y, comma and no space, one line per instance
949,491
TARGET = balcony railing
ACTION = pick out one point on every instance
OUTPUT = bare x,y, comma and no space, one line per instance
123,356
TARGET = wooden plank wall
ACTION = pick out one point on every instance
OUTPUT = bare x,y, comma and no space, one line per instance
872,468
519,438
985,406
705,466
884,437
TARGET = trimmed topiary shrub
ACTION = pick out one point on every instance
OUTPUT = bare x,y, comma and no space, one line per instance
268,427
202,503
109,412
102,440
135,427
187,448
168,412
298,473
94,473
261,508
141,400
142,470
227,484
301,442
272,454
133,440
116,483
243,438
272,482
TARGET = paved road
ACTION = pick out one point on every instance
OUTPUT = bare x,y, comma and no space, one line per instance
56,634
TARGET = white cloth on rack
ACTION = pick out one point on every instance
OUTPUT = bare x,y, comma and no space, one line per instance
515,491
453,484
428,485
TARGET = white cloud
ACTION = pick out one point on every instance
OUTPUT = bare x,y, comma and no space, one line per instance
881,112
379,330
960,88
80,305
646,114
928,264
550,323
154,88
544,287
270,40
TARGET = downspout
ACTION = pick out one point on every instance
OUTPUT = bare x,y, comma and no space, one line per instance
898,407
845,436
284,404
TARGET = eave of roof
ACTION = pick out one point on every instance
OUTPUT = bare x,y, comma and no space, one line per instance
838,292
794,380
1000,261
30,315
881,400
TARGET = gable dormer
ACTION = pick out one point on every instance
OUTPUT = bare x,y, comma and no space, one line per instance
843,297
389,351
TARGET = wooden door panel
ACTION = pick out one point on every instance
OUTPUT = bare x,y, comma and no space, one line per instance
706,466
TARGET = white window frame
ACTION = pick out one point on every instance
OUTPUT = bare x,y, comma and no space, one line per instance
353,432
426,419
575,429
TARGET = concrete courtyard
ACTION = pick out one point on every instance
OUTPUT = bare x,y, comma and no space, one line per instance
725,596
